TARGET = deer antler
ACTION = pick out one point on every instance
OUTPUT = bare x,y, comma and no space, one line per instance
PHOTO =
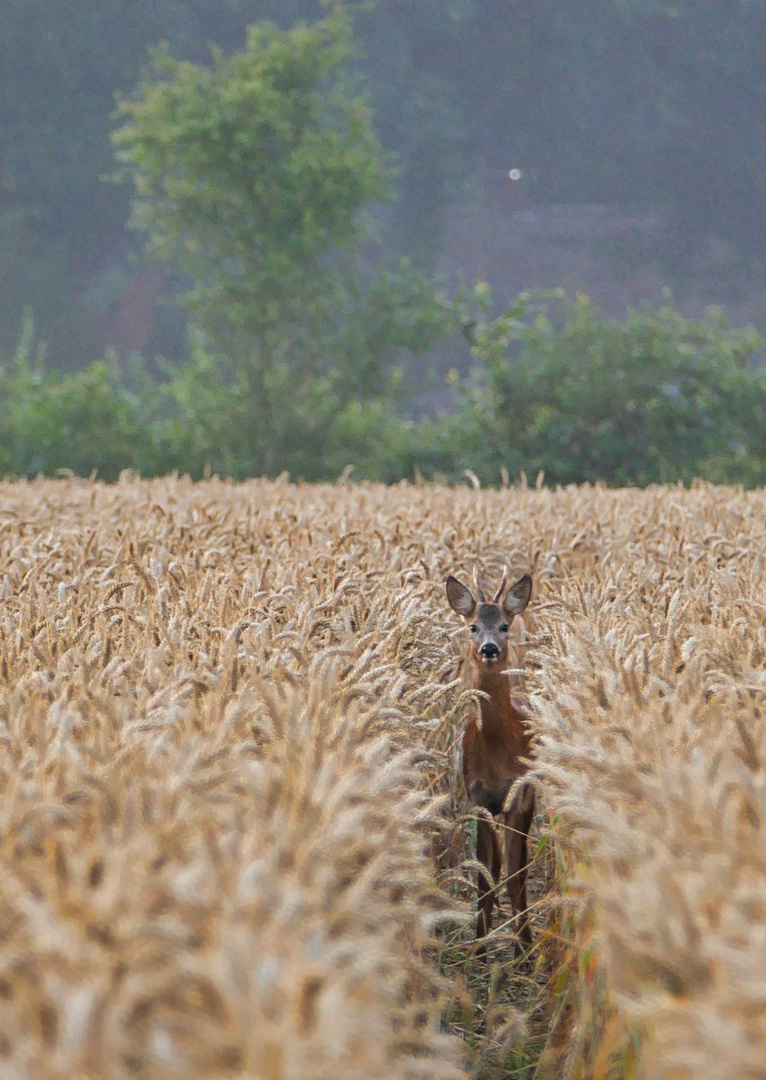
477,584
503,583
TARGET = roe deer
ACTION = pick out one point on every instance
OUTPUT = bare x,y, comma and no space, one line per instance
494,746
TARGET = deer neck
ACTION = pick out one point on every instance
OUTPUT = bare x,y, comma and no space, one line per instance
500,721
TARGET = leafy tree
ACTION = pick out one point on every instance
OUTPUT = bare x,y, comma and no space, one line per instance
250,177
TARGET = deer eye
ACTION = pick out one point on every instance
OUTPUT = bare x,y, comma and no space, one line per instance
474,628
504,628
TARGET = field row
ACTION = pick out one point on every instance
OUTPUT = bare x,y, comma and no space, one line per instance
228,727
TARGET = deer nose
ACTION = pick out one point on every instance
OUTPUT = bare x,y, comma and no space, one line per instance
489,651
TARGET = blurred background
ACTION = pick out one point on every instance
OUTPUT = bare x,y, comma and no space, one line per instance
612,149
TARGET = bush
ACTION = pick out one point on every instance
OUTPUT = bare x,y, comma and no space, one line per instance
92,420
652,398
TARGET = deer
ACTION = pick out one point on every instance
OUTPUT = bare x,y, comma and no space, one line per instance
496,749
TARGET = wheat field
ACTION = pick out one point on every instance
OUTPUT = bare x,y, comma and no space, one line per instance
233,842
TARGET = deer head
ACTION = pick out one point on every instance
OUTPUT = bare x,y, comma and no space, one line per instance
489,621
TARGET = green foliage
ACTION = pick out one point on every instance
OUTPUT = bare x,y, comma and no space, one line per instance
652,398
250,178
375,443
346,408
556,388
247,172
97,419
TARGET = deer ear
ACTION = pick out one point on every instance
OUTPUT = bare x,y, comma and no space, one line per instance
517,597
460,598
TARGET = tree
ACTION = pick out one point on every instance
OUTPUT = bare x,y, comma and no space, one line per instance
250,180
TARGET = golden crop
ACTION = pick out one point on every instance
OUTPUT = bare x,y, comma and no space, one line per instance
228,716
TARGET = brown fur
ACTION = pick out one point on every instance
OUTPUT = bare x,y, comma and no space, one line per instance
495,746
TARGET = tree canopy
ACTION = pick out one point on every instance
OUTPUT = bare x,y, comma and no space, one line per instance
250,178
